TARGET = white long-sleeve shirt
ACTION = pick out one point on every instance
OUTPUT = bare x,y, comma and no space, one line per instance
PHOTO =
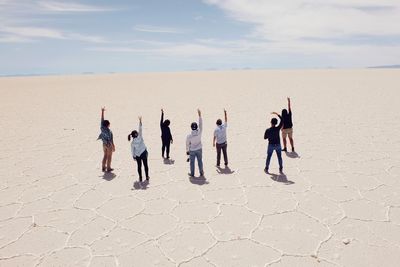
220,133
193,140
137,144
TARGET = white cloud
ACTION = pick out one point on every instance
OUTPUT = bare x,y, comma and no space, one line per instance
32,32
57,6
24,34
295,19
177,50
156,29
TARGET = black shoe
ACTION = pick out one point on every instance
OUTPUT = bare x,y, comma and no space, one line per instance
110,169
292,149
140,180
284,149
281,170
226,164
266,170
201,173
147,178
103,169
190,175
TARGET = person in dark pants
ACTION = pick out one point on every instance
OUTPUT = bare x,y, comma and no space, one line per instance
166,136
287,128
220,140
139,151
106,136
274,142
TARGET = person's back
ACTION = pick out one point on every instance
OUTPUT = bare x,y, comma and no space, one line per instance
272,134
274,142
287,129
287,119
220,141
166,136
194,146
194,138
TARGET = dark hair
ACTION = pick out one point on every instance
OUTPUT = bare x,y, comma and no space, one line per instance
167,123
284,113
106,123
193,126
274,121
219,122
133,134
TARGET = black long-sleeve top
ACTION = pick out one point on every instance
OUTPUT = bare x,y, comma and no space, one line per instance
166,135
272,134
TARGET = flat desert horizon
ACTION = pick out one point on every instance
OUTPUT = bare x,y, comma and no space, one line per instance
337,202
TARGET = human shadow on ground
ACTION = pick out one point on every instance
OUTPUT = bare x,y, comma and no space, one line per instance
169,161
199,180
140,185
292,155
280,178
225,170
108,176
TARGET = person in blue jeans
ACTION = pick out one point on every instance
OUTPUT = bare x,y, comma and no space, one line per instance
194,146
274,142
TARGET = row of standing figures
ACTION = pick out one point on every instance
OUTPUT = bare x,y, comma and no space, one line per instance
193,142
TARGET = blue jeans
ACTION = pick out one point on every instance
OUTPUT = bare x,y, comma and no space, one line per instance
196,154
278,149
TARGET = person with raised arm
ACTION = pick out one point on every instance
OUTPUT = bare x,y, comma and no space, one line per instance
220,141
166,136
106,136
194,146
287,128
274,142
139,151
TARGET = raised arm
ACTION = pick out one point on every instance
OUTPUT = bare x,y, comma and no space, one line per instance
280,119
162,118
226,116
140,126
102,116
288,101
200,120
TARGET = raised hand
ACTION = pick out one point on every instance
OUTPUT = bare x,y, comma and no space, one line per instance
140,119
103,109
162,110
199,112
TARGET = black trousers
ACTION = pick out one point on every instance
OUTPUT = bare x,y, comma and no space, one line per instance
165,146
139,160
222,147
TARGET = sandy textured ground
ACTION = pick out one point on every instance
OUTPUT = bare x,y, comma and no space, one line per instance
337,204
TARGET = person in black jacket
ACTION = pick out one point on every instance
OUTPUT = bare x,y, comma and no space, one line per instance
274,142
166,136
287,129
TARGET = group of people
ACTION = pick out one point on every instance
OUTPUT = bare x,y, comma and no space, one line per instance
193,142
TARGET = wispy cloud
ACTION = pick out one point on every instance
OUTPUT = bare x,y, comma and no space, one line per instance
156,29
178,50
24,34
288,20
57,6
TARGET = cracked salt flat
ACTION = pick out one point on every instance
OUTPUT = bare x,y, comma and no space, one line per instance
337,205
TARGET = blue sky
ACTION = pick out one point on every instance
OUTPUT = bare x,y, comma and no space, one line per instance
55,36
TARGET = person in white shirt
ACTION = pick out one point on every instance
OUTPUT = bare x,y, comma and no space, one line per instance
220,139
194,146
139,150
